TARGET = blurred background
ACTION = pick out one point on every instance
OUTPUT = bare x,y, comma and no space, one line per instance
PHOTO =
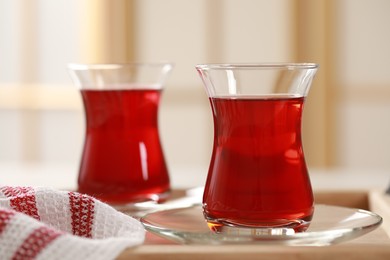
347,115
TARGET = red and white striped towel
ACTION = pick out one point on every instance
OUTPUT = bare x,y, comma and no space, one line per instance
43,223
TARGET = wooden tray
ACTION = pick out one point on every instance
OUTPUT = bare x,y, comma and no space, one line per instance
374,245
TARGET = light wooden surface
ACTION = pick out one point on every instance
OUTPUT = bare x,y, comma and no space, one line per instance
259,252
374,245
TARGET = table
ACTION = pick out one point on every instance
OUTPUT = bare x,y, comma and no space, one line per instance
358,188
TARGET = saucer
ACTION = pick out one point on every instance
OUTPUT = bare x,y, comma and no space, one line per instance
330,225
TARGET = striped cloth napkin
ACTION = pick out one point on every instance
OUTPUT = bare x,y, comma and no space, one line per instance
43,223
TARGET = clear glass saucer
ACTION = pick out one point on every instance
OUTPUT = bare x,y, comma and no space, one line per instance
330,225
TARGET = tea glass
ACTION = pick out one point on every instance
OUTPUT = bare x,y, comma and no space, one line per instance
122,160
257,178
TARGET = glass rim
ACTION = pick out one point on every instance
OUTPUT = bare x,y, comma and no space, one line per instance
107,66
243,66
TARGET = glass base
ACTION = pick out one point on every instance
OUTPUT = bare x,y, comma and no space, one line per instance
276,227
142,205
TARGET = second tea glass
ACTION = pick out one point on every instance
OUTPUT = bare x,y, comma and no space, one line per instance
257,177
122,160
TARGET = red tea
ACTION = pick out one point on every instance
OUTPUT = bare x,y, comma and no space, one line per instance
258,176
122,159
